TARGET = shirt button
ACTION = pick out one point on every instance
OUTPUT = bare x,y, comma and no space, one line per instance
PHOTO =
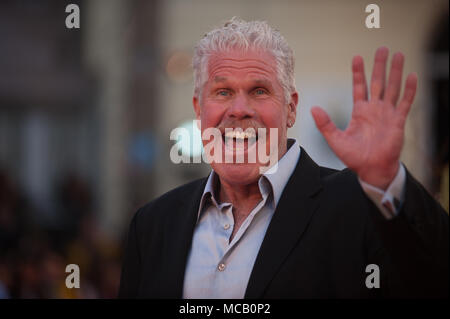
226,226
221,267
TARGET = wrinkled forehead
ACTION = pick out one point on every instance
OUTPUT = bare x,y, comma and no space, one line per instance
248,64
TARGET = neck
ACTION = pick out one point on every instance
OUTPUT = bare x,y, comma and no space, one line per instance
243,197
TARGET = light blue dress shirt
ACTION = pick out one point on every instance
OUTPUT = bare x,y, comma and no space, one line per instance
217,268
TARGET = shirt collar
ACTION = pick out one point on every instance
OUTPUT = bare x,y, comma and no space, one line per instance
277,175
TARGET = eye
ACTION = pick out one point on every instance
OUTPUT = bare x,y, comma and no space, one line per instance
223,93
260,91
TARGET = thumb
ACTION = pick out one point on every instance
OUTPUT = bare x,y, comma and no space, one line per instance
324,123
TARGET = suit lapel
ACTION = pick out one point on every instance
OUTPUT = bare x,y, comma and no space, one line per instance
178,239
292,215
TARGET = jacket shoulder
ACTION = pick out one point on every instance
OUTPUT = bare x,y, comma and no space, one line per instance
329,174
343,182
169,202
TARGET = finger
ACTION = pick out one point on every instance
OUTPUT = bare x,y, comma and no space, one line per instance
408,95
395,79
378,74
324,124
359,79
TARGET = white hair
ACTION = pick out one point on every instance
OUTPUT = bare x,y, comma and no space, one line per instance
243,35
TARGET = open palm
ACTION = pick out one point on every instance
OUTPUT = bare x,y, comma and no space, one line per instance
372,142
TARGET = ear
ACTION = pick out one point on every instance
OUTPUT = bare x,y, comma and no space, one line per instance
197,108
292,109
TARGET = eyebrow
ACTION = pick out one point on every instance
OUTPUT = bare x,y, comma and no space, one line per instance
220,79
263,83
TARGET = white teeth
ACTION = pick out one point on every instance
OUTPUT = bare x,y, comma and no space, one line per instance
240,135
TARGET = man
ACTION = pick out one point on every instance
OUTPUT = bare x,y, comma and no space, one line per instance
296,230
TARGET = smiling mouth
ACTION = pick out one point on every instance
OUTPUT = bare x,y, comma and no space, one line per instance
239,141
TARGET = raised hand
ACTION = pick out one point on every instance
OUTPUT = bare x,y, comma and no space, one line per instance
372,142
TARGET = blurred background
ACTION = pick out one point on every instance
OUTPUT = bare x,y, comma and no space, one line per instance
86,115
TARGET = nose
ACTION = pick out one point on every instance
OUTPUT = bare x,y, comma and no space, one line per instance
240,108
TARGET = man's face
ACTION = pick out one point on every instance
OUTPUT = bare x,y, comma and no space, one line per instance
242,91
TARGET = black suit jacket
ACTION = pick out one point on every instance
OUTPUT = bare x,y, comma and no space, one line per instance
323,234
